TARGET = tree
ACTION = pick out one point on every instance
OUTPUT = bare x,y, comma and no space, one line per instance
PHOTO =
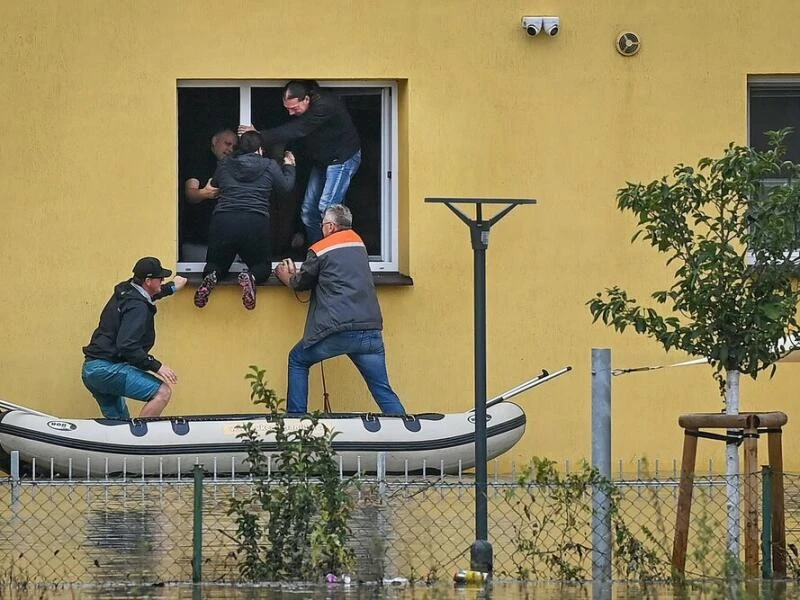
306,502
732,236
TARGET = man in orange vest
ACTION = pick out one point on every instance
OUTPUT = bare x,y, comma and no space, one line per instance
343,315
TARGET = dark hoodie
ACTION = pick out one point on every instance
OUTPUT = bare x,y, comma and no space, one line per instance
245,182
127,330
328,131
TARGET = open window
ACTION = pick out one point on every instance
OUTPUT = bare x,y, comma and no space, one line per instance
206,107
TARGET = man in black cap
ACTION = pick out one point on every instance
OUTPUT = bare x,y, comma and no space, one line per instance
118,363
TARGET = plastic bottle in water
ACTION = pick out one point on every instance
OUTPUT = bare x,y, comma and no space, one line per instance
470,577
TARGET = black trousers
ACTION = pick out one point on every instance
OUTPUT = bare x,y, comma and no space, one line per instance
243,233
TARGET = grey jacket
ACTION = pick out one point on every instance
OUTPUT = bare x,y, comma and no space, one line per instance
343,296
245,182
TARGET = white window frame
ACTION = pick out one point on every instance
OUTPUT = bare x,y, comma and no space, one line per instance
388,259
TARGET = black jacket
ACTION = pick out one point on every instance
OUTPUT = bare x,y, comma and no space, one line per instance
330,136
127,331
245,182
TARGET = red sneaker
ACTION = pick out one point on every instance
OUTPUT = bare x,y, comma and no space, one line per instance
204,290
248,285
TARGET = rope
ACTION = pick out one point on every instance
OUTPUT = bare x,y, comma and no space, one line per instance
326,403
785,346
697,361
299,299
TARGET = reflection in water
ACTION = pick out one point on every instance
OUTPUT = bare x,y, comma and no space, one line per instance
369,541
121,541
497,591
141,532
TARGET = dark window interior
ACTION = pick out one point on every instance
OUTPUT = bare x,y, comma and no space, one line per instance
203,111
771,109
774,107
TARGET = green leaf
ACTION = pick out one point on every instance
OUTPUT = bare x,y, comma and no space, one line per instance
705,221
772,311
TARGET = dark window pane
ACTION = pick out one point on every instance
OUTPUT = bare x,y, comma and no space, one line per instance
364,196
772,109
201,113
267,111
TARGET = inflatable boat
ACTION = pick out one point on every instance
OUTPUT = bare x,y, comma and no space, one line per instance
169,446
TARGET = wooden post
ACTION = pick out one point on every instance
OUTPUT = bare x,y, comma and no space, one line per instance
681,540
751,497
778,508
749,424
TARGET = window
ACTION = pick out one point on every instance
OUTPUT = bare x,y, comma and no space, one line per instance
206,107
773,104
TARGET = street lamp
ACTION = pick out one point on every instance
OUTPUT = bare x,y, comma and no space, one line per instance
481,549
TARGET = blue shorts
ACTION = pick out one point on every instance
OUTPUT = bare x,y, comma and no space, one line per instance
110,383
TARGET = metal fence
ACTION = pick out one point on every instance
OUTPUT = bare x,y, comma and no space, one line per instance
142,530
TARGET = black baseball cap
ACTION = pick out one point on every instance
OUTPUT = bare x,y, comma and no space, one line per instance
150,266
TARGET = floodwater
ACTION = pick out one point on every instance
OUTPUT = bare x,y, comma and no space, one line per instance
93,536
500,590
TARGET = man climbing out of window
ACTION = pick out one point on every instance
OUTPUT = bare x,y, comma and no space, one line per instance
331,142
343,314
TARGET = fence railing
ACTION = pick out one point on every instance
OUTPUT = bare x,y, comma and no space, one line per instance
145,530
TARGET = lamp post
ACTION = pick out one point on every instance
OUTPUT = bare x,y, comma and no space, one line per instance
481,549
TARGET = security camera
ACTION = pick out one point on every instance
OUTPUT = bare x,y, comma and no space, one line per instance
551,25
533,25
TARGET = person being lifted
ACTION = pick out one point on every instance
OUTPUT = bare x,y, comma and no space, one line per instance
343,314
240,223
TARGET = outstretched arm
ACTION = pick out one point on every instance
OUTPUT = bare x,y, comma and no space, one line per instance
167,289
302,280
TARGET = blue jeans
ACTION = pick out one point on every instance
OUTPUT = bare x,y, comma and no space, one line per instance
363,347
326,186
111,382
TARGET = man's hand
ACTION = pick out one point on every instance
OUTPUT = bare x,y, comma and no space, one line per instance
209,190
196,194
179,282
244,129
167,375
285,270
288,158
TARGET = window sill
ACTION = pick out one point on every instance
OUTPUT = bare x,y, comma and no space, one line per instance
379,278
790,256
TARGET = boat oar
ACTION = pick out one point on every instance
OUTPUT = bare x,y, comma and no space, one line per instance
12,406
543,377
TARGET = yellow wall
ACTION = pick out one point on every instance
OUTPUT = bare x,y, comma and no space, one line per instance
88,163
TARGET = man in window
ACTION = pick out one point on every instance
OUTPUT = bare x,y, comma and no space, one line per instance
118,363
343,314
201,197
331,142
